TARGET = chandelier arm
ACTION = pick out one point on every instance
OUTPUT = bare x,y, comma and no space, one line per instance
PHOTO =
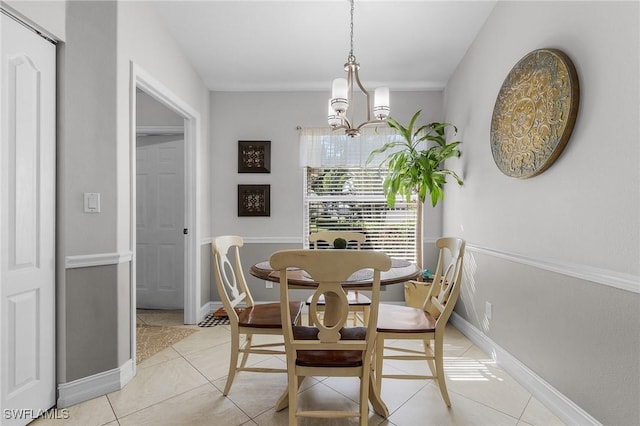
346,123
370,123
363,90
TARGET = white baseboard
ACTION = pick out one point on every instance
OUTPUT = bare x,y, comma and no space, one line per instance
556,402
207,308
87,388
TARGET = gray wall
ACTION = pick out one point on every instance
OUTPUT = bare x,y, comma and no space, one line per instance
150,112
557,255
87,163
275,116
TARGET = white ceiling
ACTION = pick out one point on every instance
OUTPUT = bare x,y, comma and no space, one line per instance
264,45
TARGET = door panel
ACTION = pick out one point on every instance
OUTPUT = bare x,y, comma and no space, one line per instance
160,223
27,217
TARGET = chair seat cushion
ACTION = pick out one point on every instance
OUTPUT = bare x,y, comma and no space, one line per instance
267,315
329,358
354,298
404,319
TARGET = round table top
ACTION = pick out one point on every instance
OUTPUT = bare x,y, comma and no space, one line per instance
400,272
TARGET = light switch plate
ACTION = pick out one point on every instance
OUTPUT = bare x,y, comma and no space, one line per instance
92,202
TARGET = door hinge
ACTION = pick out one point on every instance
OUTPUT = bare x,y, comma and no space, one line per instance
185,231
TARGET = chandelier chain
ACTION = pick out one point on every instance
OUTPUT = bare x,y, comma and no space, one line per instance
351,51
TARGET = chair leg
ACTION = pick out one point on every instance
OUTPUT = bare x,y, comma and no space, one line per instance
439,355
247,348
429,355
379,357
364,397
366,313
233,362
293,399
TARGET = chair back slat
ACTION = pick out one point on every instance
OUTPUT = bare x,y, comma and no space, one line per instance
330,268
326,333
230,281
446,285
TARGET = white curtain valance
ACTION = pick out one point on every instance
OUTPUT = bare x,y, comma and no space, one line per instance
323,147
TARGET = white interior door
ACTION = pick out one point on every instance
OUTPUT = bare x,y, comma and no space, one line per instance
160,221
27,232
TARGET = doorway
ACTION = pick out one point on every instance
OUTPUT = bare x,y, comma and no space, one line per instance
143,81
160,205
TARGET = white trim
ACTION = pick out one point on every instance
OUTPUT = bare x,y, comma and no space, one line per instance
606,277
99,259
208,308
273,240
140,79
205,241
558,404
159,130
90,387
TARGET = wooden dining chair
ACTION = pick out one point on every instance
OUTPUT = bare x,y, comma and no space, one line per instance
331,347
426,324
251,318
359,304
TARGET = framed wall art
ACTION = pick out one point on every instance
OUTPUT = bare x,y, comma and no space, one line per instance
254,156
254,200
534,113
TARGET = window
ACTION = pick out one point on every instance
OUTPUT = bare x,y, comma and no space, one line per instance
346,194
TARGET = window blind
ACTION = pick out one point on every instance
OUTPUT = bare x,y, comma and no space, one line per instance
352,199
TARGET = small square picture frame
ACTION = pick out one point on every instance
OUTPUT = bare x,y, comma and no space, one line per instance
254,200
254,156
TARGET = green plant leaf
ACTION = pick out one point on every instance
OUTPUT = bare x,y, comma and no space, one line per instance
416,170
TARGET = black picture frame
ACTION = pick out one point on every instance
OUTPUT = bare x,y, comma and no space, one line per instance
254,156
254,200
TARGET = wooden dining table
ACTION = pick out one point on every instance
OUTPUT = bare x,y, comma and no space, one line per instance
401,271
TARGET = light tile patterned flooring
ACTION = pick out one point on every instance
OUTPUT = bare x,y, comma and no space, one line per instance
182,385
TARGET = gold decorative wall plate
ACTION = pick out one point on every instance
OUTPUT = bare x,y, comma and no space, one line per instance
534,113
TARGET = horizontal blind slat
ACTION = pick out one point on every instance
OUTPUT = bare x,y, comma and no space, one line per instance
352,199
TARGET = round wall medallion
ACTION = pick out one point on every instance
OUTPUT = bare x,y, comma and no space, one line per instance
534,113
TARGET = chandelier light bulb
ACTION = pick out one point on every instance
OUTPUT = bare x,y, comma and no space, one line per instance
339,95
381,103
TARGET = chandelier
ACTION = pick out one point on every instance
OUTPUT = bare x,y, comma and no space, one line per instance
342,94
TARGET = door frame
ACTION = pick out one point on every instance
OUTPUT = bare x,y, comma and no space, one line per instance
140,79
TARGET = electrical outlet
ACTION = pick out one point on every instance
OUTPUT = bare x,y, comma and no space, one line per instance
268,284
488,310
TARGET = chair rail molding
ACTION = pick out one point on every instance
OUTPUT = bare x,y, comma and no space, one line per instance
606,277
97,259
273,240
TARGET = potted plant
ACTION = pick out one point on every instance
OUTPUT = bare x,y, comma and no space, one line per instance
340,243
415,166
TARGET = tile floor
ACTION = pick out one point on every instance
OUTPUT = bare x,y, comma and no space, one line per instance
182,386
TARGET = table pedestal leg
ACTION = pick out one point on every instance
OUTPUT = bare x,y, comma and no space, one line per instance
283,401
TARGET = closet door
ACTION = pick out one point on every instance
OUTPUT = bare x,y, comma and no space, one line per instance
27,219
